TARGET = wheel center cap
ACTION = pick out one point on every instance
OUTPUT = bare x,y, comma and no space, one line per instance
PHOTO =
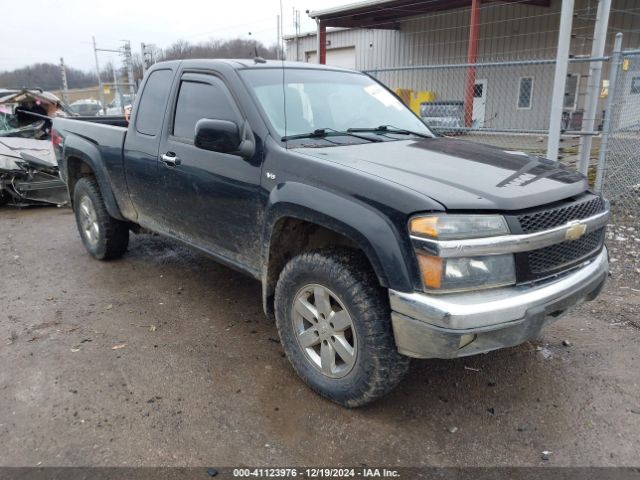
323,329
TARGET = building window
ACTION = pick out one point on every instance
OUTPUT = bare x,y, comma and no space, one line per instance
571,91
525,93
635,85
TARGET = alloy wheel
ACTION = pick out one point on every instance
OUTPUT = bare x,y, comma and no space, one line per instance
89,221
324,330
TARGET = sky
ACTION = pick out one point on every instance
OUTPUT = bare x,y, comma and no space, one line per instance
45,30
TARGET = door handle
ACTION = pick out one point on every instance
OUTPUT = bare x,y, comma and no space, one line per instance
170,159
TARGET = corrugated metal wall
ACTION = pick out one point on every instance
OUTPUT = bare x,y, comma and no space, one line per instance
507,31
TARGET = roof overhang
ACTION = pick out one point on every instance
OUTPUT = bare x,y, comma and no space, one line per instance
388,13
311,33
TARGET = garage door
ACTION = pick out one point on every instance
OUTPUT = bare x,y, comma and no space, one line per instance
338,57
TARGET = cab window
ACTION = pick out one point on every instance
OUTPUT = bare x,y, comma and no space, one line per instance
202,99
153,102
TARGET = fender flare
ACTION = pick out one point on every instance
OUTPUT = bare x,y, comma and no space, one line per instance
78,147
367,227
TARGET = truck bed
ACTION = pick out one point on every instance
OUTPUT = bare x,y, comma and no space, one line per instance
102,143
98,130
114,120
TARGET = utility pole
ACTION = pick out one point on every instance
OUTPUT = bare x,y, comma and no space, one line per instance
297,37
100,87
278,39
128,61
281,39
125,51
147,52
65,86
143,56
560,79
117,93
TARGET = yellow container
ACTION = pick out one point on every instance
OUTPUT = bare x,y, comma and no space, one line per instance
413,99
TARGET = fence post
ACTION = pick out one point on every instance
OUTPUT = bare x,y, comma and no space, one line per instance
472,54
560,79
608,124
593,87
100,86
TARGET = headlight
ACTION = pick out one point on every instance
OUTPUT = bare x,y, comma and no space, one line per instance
456,227
464,273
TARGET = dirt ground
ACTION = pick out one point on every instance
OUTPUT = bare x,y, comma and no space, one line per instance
200,378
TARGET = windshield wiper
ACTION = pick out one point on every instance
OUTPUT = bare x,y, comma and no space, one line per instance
389,129
328,132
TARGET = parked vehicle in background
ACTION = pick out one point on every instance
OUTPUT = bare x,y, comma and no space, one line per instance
375,240
28,168
118,105
87,107
27,112
445,117
29,173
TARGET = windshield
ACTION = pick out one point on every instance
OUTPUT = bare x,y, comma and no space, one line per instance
325,99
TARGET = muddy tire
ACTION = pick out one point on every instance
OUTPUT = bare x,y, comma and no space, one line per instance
335,326
104,237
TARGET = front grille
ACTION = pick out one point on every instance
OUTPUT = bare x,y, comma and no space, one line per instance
563,255
554,259
554,217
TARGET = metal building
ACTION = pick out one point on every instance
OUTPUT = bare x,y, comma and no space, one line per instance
392,34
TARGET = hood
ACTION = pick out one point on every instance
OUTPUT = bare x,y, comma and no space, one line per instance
461,175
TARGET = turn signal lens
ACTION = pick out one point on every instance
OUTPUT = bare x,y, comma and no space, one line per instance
431,269
426,226
468,273
455,227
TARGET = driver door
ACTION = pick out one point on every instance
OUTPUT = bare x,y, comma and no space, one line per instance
209,199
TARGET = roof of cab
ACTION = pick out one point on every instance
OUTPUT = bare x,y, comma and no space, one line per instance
248,63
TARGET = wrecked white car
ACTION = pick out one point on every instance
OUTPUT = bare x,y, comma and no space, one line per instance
28,168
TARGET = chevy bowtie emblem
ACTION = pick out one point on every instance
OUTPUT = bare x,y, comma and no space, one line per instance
575,231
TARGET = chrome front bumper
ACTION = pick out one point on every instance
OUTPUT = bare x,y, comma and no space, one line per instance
461,324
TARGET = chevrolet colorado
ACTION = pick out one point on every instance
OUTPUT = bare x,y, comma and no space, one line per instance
375,240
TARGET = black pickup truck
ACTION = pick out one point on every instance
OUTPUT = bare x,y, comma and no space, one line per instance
375,240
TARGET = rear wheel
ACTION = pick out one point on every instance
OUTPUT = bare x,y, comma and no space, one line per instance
103,236
335,326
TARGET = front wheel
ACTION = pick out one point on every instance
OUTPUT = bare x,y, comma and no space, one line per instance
104,237
335,326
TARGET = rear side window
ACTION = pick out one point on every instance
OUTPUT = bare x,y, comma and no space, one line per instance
198,100
153,102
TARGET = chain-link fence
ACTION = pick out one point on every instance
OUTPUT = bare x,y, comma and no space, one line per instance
508,104
502,103
622,156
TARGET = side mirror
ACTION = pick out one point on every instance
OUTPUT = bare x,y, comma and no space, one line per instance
224,136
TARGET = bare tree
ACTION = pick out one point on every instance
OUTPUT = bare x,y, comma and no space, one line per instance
45,76
214,48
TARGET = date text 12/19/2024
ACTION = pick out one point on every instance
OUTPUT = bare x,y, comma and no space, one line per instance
315,473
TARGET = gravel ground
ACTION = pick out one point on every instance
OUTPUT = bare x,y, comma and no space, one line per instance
165,358
623,239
